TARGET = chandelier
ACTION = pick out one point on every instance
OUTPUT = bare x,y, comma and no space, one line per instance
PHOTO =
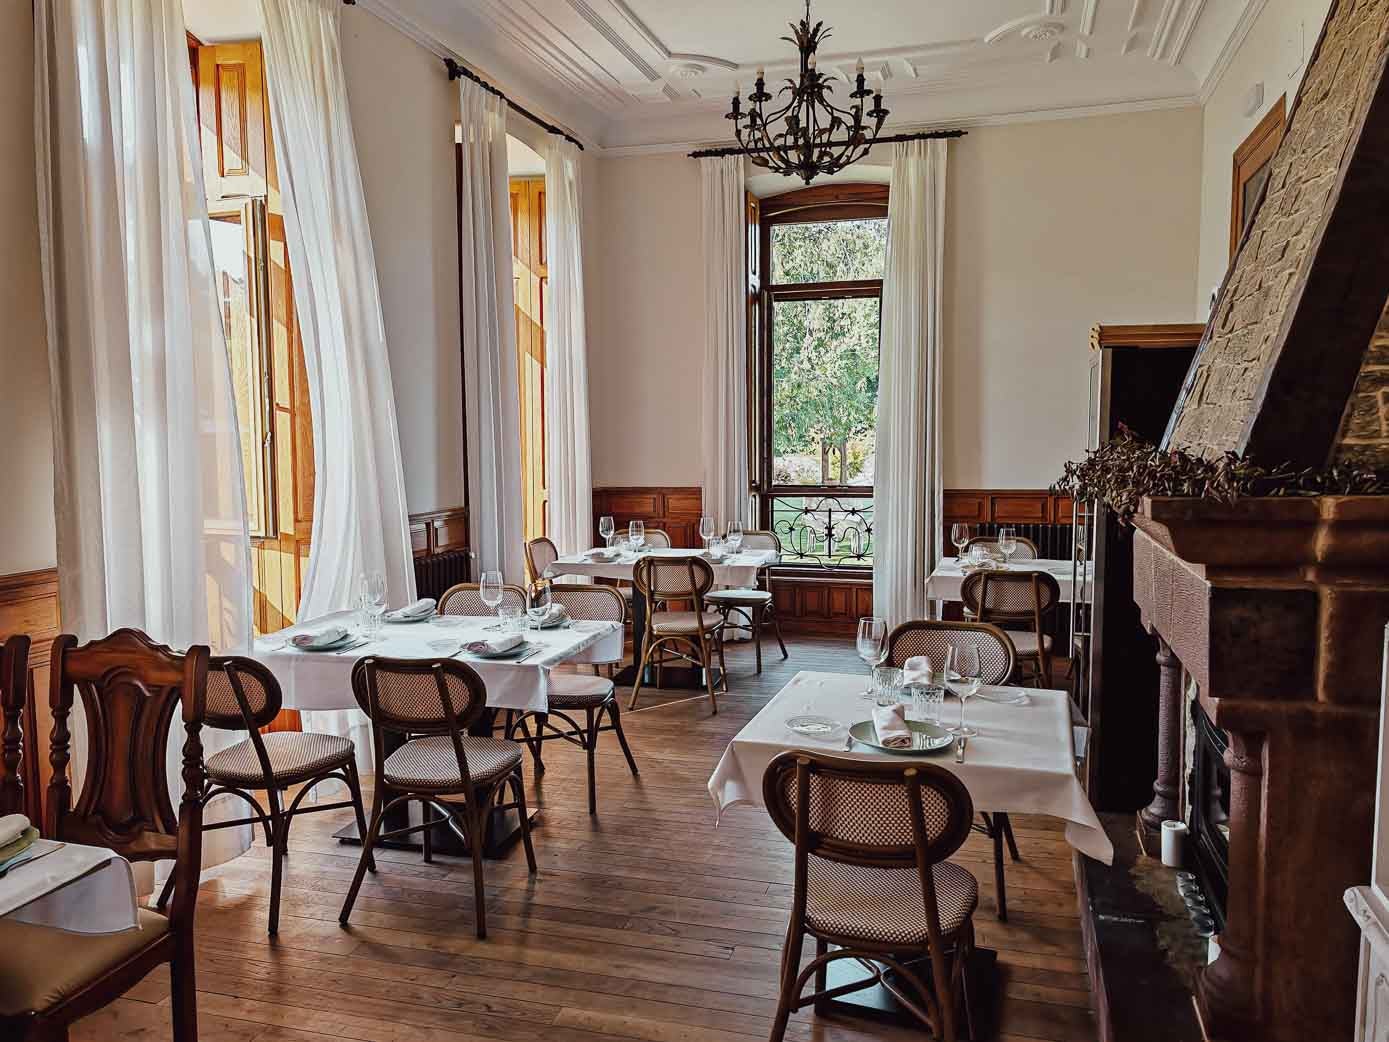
808,135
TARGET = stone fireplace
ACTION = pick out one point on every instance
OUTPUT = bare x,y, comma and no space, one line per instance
1208,814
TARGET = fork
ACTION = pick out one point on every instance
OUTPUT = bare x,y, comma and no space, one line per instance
960,749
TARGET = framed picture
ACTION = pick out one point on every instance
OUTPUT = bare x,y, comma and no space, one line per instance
1252,164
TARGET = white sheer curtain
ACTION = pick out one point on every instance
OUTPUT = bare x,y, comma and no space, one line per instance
491,401
360,521
907,478
725,391
566,355
149,503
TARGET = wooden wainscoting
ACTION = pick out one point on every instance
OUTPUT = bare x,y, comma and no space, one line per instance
674,510
29,604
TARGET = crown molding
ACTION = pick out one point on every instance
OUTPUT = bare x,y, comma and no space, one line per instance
1221,65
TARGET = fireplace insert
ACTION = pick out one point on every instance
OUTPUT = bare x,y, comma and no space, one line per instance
1210,812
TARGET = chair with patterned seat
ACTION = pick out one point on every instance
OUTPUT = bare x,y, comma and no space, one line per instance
666,580
466,599
753,605
595,696
243,695
873,882
657,538
1026,549
1018,603
433,703
932,640
540,554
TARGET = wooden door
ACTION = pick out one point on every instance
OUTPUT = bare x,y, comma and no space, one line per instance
530,280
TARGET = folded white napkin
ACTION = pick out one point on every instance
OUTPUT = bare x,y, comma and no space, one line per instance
418,610
12,826
321,639
916,670
599,553
494,645
556,616
891,725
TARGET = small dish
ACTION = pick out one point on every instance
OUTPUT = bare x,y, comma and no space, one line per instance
821,728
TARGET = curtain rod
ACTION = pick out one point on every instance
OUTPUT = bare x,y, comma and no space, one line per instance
736,150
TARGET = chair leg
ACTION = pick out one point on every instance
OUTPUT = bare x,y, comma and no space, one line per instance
786,996
354,786
641,670
165,893
1000,888
519,784
368,841
776,627
707,661
427,836
755,620
184,993
476,831
1008,835
277,851
590,749
615,714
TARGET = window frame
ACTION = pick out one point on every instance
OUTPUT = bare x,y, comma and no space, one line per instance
817,204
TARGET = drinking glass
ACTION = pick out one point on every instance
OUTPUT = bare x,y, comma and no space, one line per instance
959,535
706,530
538,601
606,528
490,589
735,536
887,685
872,645
969,670
636,534
511,616
373,599
1008,543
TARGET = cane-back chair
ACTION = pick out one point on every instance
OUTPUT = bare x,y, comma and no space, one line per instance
753,605
466,599
14,687
540,554
873,881
657,538
433,702
691,635
933,639
1026,550
133,692
1019,603
243,695
572,693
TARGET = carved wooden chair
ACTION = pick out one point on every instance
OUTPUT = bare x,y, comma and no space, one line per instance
1026,549
14,686
932,639
594,696
434,702
466,599
872,880
242,695
1012,601
133,691
540,554
689,635
754,606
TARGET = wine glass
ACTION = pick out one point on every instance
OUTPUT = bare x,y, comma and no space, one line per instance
969,670
636,534
490,589
538,601
735,536
706,530
1008,543
959,535
606,528
373,595
872,646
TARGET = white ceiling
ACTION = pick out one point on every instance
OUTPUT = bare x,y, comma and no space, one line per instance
638,74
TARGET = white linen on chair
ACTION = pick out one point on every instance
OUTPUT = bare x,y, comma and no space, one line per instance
725,387
491,403
360,520
149,506
568,473
907,482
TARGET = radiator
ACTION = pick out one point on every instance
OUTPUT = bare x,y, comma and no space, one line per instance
436,573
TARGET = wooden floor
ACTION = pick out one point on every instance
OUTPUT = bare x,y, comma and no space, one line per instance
647,922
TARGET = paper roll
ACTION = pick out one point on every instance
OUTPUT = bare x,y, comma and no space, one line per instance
1173,843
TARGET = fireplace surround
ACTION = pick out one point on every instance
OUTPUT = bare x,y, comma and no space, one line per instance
1209,800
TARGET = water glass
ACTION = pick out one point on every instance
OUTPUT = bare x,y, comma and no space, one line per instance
959,535
927,699
871,644
735,536
606,528
636,534
490,589
1008,543
538,602
511,616
372,594
706,529
887,685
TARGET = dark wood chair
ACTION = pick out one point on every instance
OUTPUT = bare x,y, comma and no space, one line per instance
872,880
434,702
1018,603
666,580
243,695
595,696
14,686
933,639
132,692
755,606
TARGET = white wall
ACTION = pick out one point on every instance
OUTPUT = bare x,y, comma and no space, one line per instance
1051,227
1273,54
26,522
403,114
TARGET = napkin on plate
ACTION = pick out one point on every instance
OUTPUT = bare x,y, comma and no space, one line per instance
494,645
604,554
12,826
16,843
321,639
891,725
557,615
420,609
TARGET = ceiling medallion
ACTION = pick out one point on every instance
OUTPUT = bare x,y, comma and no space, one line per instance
809,135
1043,31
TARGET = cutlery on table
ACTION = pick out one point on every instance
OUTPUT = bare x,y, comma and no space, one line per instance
352,647
960,749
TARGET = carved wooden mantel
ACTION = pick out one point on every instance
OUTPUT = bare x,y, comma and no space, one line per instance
1275,608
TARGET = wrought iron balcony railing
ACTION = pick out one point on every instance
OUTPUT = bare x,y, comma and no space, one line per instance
831,531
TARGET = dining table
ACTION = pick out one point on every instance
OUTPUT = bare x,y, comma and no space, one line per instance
945,580
72,887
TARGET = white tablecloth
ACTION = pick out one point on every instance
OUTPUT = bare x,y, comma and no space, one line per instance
1022,761
739,570
77,888
944,583
323,680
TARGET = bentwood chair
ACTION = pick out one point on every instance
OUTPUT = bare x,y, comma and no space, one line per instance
933,639
873,883
466,599
1012,600
133,691
1026,549
754,606
540,554
243,695
433,702
14,682
571,693
658,538
690,635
